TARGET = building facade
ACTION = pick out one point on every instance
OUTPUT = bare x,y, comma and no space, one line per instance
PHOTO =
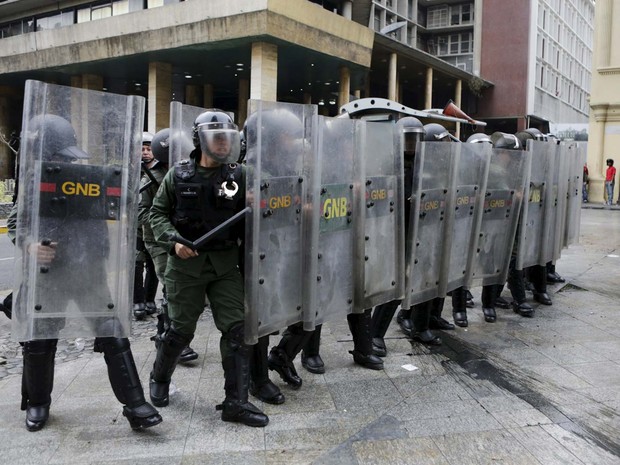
511,64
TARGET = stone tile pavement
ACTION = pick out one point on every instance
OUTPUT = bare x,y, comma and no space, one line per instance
541,391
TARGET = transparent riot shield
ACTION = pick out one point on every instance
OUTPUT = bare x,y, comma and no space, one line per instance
550,225
427,228
530,240
562,201
463,212
77,213
502,206
576,154
279,137
331,221
381,239
182,119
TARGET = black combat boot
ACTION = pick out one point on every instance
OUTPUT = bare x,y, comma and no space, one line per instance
436,321
281,356
38,381
539,281
420,317
236,363
126,383
359,324
469,301
261,386
163,323
552,275
516,285
459,307
168,353
404,321
382,316
310,358
488,303
500,302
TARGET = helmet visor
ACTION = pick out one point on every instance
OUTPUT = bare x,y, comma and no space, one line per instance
220,141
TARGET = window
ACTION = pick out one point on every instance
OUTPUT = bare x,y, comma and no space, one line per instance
55,21
437,17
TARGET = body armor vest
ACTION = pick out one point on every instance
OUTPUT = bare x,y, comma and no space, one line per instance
204,203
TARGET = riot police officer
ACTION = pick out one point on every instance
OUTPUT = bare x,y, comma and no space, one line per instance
65,244
196,196
155,161
145,284
413,132
419,320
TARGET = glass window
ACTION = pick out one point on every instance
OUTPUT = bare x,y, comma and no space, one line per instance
55,21
120,7
100,12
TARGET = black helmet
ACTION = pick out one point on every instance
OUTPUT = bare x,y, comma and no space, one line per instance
55,138
217,136
536,134
160,145
502,140
436,132
478,138
413,132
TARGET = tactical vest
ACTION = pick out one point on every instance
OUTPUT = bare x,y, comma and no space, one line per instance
202,204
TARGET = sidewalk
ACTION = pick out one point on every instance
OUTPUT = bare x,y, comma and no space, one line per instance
541,391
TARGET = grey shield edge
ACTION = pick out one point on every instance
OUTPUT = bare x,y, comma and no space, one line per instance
427,229
563,162
332,219
381,241
577,156
463,212
79,181
278,149
552,215
530,239
502,206
182,119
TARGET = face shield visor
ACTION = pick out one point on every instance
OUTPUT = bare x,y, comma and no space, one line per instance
220,141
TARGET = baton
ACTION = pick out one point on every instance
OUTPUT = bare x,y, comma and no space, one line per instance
194,245
152,179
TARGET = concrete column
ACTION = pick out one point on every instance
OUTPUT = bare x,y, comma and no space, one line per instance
207,96
244,94
76,81
347,9
307,98
345,86
159,96
357,93
428,93
392,77
192,95
597,152
458,92
603,34
7,156
92,82
264,72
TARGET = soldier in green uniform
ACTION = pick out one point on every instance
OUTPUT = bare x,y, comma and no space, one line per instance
155,161
196,196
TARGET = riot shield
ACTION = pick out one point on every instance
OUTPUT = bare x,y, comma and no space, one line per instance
279,139
463,212
502,206
381,241
331,221
427,229
530,240
77,213
562,200
182,119
550,224
576,154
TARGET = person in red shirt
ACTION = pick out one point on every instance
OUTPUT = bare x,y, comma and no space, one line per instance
610,177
